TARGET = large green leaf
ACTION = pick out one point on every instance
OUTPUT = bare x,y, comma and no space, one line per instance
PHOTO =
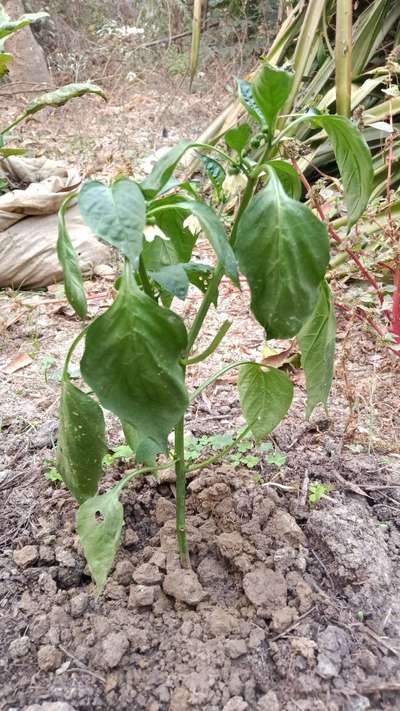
288,177
117,214
237,138
265,397
81,443
283,250
8,27
132,362
354,162
317,344
99,524
271,89
59,97
68,258
163,169
215,233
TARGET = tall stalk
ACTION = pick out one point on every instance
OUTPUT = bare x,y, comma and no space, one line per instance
343,56
180,472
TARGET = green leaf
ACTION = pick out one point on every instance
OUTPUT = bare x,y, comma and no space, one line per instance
59,97
174,279
73,282
288,177
99,524
265,397
283,250
246,97
170,220
317,344
214,170
199,275
5,59
238,138
117,214
8,27
163,170
271,88
7,152
354,162
215,233
132,362
81,443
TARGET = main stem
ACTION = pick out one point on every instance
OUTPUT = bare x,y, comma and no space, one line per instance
180,472
344,26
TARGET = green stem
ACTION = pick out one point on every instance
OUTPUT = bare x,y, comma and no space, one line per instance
195,394
147,288
71,351
344,10
180,472
212,347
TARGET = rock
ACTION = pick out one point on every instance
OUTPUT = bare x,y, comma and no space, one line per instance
46,555
361,703
130,538
165,510
69,577
236,703
50,706
79,604
159,559
283,618
141,596
220,622
333,645
47,584
230,544
211,571
184,586
268,702
208,498
283,527
123,572
19,647
235,648
265,588
26,556
257,637
65,557
367,660
49,658
305,647
147,574
305,596
114,647
114,591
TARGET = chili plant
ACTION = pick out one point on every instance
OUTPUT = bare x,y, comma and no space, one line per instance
137,353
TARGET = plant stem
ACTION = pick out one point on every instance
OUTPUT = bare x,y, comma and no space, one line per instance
344,26
212,347
147,288
180,472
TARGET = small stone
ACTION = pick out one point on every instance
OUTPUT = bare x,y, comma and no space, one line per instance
283,618
26,556
65,557
47,584
211,571
257,637
79,604
130,538
230,544
114,591
141,596
236,703
235,684
367,660
19,647
69,577
235,648
268,702
49,658
114,647
165,510
123,572
50,706
305,596
283,527
265,588
221,623
333,645
305,647
158,559
184,586
46,554
147,574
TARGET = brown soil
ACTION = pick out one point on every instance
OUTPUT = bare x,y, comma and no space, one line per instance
289,607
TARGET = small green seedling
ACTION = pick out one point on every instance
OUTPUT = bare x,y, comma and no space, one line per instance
318,491
122,453
53,475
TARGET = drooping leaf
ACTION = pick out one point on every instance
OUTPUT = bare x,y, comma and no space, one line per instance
215,233
354,162
214,170
246,97
163,170
317,344
68,258
8,27
81,443
238,138
174,279
132,362
271,89
99,524
117,214
265,397
288,177
283,250
59,97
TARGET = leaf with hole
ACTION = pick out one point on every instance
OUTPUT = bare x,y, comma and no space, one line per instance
283,250
81,442
68,258
265,397
117,214
317,344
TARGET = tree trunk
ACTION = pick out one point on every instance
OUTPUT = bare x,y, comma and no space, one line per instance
29,64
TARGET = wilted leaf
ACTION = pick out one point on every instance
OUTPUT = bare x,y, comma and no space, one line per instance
59,97
73,282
